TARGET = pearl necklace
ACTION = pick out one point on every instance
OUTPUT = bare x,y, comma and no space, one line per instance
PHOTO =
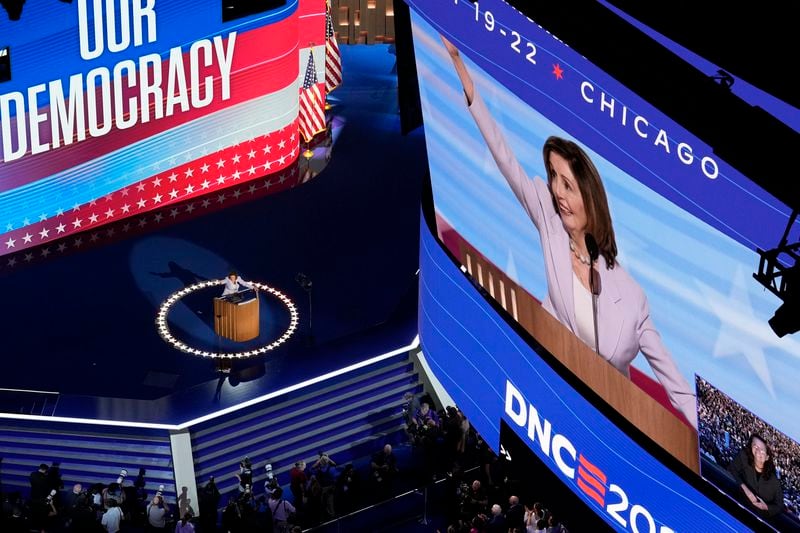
582,258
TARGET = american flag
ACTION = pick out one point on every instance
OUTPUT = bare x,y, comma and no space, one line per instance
333,59
312,112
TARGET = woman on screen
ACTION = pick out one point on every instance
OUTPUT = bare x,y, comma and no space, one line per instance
754,470
571,204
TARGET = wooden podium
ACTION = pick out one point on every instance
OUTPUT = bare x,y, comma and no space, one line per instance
237,318
650,417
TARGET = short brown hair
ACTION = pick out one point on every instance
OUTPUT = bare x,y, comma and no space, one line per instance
598,216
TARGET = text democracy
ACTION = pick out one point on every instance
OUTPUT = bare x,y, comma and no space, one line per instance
130,92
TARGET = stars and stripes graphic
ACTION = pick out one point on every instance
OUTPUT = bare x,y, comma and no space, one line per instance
243,163
312,111
333,58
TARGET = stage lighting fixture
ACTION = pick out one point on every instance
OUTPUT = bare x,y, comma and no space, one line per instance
786,320
13,8
303,280
779,272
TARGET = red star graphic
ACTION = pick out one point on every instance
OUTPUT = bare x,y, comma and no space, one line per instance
558,72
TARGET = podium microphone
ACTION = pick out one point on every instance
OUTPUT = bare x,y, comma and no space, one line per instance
594,282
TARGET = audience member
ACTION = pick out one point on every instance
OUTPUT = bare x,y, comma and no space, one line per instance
112,517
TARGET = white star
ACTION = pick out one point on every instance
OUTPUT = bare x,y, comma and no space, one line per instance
252,170
9,226
93,218
76,207
741,332
282,145
109,213
44,233
140,187
204,168
59,212
236,175
60,228
251,154
26,239
42,217
205,184
157,182
173,194
282,159
221,180
125,208
291,139
190,189
220,163
173,177
92,202
141,203
157,199
10,243
109,196
124,191
267,149
62,247
77,223
26,221
236,158
189,172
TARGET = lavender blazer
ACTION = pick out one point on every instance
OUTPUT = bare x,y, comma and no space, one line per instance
623,316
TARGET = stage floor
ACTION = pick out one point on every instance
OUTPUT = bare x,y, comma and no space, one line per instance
83,325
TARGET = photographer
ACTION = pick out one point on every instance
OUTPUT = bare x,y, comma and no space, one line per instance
44,513
474,500
245,474
324,470
157,513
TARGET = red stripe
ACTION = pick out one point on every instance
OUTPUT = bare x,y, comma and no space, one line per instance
599,474
240,163
249,80
591,480
591,493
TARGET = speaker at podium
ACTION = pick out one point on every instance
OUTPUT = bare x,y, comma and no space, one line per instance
237,316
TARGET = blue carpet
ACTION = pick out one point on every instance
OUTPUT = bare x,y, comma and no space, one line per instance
83,325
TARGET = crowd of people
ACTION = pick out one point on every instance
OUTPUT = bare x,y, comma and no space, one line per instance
98,507
441,445
725,428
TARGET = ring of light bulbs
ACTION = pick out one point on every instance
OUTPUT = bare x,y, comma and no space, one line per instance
175,297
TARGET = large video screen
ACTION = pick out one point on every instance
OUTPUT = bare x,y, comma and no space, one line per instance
531,147
112,109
